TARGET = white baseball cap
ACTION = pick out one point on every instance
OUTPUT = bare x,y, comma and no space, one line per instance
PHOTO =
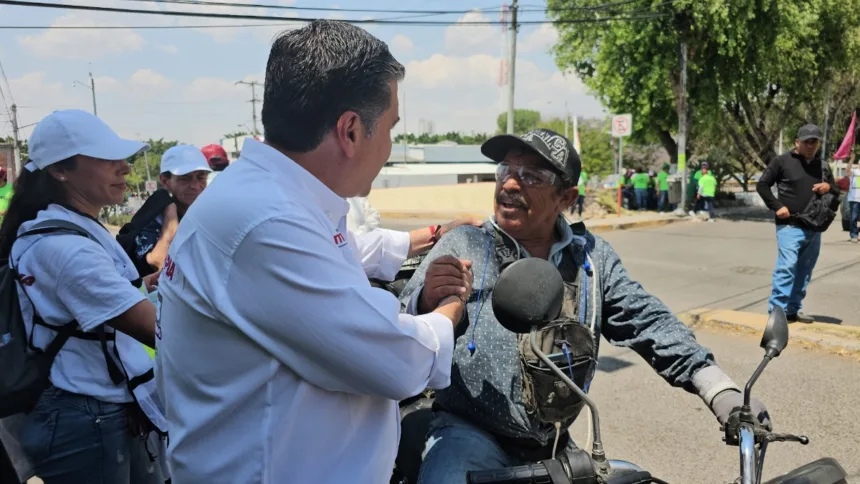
183,159
66,133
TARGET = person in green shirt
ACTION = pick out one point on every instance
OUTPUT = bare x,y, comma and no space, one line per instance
663,188
707,191
640,188
580,200
6,193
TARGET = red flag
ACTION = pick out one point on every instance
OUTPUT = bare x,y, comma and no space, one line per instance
844,150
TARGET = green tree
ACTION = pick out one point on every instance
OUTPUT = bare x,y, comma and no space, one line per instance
459,138
524,120
751,64
22,145
151,158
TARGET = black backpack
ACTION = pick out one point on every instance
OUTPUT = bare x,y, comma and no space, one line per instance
821,210
24,374
149,211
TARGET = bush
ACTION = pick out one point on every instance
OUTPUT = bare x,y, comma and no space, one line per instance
118,220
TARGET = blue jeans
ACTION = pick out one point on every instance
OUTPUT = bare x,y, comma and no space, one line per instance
798,253
708,204
853,218
663,201
456,446
76,439
641,198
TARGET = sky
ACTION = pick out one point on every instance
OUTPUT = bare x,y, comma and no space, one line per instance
180,84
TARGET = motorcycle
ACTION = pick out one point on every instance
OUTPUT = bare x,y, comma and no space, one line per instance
524,313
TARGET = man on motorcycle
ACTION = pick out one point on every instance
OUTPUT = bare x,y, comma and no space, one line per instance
493,415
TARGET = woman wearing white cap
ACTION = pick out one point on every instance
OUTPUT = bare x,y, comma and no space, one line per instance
99,415
184,174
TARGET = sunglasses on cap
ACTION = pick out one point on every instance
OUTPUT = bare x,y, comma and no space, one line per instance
530,176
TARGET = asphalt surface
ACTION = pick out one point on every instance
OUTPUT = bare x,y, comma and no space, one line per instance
671,433
728,265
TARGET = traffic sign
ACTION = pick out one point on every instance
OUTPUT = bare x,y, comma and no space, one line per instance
151,186
622,125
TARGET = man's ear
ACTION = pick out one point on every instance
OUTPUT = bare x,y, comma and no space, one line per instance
163,178
348,132
568,197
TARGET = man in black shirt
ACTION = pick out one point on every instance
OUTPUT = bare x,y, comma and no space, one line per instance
799,175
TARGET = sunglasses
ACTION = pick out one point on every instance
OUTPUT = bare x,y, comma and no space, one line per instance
530,176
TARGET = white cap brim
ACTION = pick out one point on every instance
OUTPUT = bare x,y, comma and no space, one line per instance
115,149
186,170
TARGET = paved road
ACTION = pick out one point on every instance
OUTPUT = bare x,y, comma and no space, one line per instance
728,265
673,435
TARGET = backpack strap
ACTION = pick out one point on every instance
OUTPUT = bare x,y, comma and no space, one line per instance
69,329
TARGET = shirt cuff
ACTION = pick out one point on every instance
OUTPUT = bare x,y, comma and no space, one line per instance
395,249
412,304
443,331
711,381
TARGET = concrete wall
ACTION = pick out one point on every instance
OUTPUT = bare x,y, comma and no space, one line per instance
396,181
463,197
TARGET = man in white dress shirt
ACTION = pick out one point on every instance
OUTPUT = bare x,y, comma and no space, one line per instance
278,361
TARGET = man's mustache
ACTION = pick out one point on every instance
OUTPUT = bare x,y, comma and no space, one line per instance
515,199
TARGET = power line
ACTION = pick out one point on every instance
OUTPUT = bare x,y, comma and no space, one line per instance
209,3
294,19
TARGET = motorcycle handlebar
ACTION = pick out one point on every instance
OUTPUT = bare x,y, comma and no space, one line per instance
538,473
528,474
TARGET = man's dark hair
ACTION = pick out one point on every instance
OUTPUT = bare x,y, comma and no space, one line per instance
318,72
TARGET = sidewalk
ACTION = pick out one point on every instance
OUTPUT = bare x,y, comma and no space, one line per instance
832,338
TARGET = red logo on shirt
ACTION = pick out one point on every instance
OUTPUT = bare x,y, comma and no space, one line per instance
26,280
169,267
339,240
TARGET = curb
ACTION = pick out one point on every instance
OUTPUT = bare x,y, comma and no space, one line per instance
420,215
643,224
832,338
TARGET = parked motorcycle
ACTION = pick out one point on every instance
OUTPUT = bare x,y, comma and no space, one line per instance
522,312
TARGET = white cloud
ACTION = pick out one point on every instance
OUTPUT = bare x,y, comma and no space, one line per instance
80,44
470,39
462,93
401,45
541,40
143,105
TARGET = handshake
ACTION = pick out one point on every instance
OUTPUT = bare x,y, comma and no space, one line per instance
447,286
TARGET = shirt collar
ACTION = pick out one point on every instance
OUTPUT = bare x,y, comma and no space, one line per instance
274,161
566,237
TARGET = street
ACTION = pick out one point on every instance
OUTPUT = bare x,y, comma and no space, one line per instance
728,265
675,437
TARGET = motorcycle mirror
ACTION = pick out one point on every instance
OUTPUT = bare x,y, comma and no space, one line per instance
775,337
530,291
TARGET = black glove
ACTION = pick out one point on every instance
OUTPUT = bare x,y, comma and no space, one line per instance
726,401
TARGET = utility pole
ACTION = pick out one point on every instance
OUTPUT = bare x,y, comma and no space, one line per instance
826,115
566,117
513,66
92,87
253,102
682,126
16,151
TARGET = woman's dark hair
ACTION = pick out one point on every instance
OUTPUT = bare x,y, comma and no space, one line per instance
34,191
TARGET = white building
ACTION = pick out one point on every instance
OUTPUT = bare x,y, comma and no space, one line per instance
445,163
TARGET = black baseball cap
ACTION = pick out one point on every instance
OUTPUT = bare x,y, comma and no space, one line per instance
551,146
809,131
